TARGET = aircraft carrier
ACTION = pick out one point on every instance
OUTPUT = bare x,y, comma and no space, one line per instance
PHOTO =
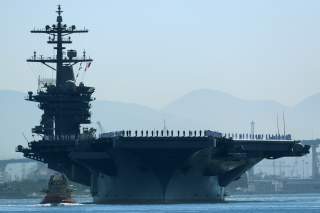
133,166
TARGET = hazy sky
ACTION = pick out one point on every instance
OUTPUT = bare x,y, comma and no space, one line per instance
151,52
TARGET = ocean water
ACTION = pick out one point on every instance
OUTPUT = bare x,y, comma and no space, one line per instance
301,203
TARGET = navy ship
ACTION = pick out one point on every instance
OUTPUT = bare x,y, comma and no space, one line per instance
161,166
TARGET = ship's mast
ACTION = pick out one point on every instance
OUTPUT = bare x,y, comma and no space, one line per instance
65,105
58,35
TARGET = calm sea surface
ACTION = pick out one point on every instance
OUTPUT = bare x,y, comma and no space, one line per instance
235,204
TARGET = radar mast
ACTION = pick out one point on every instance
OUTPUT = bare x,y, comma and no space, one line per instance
65,105
59,34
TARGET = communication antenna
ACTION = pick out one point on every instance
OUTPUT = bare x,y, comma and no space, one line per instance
164,125
25,137
100,127
252,128
278,131
284,124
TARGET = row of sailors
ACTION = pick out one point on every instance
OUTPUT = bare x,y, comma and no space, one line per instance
194,133
158,133
168,133
161,133
258,136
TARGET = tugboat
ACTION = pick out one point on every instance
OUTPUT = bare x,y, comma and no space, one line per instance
58,191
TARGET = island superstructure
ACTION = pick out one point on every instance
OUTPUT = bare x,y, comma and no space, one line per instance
131,166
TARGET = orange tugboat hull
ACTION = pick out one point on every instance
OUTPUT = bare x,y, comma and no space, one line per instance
56,199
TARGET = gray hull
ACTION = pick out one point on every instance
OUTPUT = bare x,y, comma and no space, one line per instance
162,170
138,182
137,187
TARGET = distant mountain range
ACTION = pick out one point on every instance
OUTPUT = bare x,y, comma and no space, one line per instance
224,112
200,109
